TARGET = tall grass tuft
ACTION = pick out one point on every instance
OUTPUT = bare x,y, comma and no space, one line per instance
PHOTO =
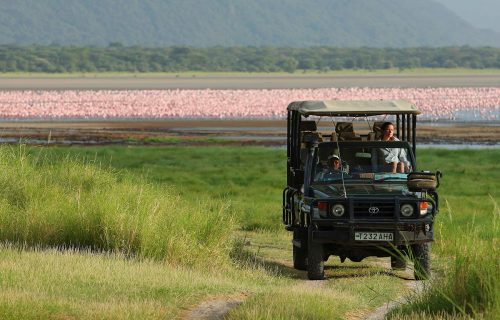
79,204
470,284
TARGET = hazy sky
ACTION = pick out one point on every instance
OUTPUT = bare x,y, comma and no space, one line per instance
479,13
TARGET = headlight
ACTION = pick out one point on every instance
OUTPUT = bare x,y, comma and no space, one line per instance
338,210
407,210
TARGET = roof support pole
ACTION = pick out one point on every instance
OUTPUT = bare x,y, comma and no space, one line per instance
403,120
408,128
414,140
398,129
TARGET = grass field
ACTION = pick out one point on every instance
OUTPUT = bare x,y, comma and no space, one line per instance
391,78
165,228
468,238
298,73
249,179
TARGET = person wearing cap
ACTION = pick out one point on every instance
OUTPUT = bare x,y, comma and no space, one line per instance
333,170
334,163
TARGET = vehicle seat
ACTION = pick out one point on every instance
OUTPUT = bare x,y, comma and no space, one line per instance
377,130
308,126
324,153
308,134
345,131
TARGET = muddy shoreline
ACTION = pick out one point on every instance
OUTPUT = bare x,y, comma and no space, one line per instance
234,132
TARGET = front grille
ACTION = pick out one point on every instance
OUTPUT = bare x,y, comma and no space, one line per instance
379,209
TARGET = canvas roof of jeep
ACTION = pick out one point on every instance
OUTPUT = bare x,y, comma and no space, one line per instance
353,108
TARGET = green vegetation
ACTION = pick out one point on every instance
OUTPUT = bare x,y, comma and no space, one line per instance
469,283
57,200
39,284
250,179
161,254
333,300
67,284
85,206
116,58
342,297
468,234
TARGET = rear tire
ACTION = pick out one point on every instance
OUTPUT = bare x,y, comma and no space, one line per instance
315,261
300,254
422,260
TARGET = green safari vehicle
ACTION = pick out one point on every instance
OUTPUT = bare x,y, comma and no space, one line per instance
343,199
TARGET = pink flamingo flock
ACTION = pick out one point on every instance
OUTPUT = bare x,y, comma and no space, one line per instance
435,103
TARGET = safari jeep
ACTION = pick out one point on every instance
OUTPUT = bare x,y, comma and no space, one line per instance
363,209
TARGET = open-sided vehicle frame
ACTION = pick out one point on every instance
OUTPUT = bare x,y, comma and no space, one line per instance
363,212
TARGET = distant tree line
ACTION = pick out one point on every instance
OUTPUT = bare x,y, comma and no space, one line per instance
117,58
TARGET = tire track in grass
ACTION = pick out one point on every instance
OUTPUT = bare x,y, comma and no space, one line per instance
218,307
381,312
415,287
215,308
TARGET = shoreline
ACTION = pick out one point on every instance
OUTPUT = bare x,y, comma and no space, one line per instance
245,132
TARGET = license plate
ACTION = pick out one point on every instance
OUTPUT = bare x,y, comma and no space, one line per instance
373,236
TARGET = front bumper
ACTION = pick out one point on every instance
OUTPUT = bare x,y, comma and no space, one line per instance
340,232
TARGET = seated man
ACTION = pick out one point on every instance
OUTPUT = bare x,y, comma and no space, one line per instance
332,171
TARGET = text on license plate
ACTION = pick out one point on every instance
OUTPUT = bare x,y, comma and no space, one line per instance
373,236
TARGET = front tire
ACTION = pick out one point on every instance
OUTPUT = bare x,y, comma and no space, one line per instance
315,261
300,254
422,260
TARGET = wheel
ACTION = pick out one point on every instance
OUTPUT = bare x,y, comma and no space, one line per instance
398,262
421,254
315,261
300,254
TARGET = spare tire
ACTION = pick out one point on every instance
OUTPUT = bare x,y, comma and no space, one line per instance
422,175
422,184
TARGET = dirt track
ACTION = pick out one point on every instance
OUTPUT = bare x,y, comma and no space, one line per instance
266,132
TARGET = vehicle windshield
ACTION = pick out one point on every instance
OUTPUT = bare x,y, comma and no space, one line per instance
375,163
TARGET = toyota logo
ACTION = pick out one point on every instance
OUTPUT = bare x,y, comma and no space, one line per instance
373,210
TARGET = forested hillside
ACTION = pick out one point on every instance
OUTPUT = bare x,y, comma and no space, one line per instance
116,57
207,23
